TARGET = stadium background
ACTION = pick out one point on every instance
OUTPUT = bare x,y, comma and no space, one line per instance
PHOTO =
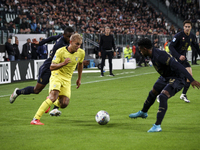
76,127
129,21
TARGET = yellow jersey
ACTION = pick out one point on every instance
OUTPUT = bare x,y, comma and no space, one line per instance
67,70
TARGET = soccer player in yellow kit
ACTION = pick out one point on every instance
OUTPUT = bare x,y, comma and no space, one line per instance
62,67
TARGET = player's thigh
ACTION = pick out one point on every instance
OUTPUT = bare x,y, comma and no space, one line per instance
174,85
38,88
55,83
65,90
159,85
44,75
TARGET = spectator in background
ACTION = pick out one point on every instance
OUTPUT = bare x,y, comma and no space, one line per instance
25,27
34,50
38,30
133,49
42,50
155,43
18,19
127,53
26,50
16,49
194,51
10,50
33,25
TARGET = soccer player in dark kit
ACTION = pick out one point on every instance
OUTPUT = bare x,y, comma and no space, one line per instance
44,70
178,48
172,79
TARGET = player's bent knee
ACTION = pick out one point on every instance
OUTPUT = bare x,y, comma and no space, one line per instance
166,93
155,92
63,105
64,102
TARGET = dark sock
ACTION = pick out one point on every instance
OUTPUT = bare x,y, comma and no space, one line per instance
162,108
27,90
150,100
56,107
186,87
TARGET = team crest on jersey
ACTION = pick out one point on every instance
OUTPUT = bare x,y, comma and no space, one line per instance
174,39
183,39
191,40
54,58
76,58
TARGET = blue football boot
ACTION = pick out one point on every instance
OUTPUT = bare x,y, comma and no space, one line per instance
155,128
138,114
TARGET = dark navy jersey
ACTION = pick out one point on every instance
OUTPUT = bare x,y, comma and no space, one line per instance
49,39
59,43
180,43
167,66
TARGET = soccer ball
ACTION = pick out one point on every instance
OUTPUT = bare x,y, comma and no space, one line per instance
102,117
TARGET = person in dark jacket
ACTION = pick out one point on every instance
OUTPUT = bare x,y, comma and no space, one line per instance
105,48
34,50
16,49
10,50
26,50
42,51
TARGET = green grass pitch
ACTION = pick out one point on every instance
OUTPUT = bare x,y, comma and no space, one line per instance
76,128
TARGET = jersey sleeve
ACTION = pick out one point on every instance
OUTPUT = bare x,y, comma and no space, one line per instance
172,45
167,59
57,57
164,58
49,39
82,56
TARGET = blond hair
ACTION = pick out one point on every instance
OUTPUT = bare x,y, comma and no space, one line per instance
76,36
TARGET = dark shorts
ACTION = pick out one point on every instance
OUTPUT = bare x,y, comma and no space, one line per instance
185,63
44,75
172,84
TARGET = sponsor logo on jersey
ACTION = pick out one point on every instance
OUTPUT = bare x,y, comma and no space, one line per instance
54,58
174,39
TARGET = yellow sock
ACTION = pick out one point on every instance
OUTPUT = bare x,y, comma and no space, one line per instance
45,105
57,103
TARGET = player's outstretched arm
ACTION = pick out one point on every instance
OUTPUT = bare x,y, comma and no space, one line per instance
195,83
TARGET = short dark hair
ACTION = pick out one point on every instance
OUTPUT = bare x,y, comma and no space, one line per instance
187,21
145,42
68,29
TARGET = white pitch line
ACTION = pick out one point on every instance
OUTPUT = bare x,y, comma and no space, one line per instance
111,78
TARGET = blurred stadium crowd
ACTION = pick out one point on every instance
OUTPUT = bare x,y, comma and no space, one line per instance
91,16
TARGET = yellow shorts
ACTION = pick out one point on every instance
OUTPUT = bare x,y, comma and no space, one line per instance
60,84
